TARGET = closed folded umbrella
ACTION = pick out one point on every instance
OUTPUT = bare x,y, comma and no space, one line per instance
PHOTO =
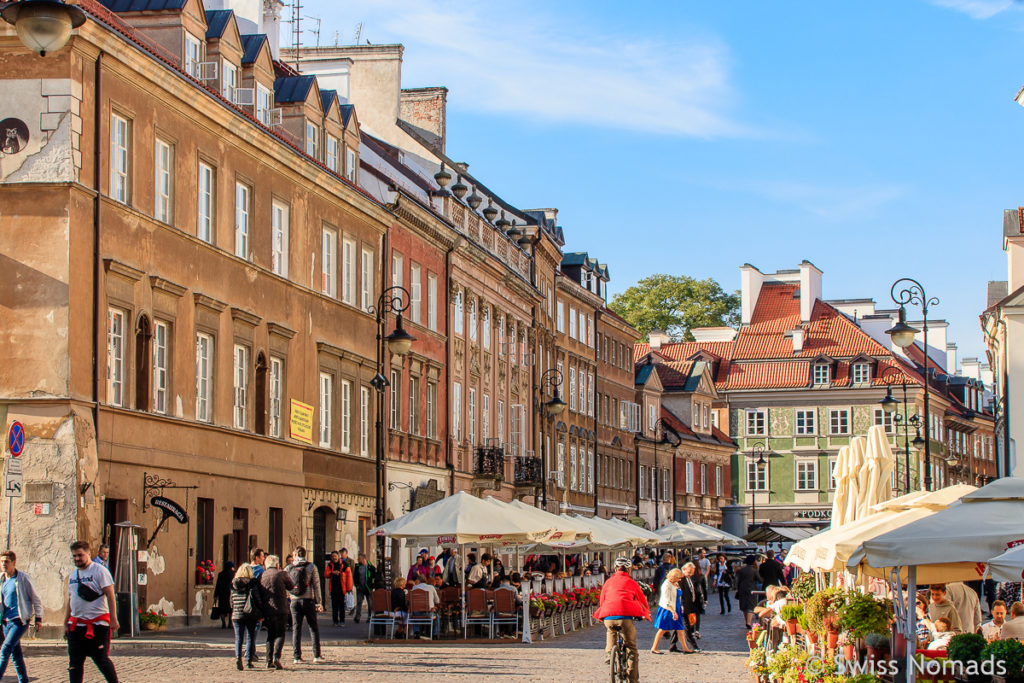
857,476
842,491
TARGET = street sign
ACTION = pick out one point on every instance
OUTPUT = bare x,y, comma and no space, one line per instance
13,478
16,439
170,508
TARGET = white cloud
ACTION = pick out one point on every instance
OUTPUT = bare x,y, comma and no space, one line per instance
833,202
525,61
976,9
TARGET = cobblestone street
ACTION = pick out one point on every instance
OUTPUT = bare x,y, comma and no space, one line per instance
574,657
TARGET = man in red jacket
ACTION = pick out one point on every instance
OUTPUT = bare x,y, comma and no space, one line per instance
622,600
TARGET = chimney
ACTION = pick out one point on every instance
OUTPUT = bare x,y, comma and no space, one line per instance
1013,245
798,339
971,367
271,25
657,338
951,359
426,110
751,280
810,289
713,334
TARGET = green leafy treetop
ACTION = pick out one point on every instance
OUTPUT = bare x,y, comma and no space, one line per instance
676,304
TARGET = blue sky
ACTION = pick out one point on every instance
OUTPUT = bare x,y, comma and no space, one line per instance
877,140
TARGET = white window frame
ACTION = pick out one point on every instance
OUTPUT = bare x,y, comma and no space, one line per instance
364,420
395,412
560,319
760,479
572,388
120,158
329,262
264,103
806,474
366,264
572,322
835,413
573,469
832,474
471,417
432,301
332,154
243,208
275,385
590,394
414,405
759,424
206,209
560,464
229,80
163,181
485,417
193,55
204,376
500,421
689,476
415,292
280,216
117,338
704,479
346,416
473,318
326,408
351,165
431,410
485,328
160,364
312,139
803,426
885,419
240,375
457,411
457,312
718,480
348,271
861,373
822,374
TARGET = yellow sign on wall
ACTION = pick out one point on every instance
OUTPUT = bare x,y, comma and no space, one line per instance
302,422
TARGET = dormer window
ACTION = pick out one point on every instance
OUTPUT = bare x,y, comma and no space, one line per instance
193,55
861,373
351,165
822,374
229,80
264,102
332,153
312,139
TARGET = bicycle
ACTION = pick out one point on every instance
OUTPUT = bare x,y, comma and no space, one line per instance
620,656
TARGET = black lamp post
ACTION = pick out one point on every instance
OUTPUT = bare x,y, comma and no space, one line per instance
42,25
399,342
903,335
758,451
659,425
550,380
889,404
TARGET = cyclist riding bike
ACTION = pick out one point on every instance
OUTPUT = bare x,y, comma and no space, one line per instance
622,601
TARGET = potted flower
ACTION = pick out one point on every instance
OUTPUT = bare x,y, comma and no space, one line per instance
791,614
753,635
804,627
1010,653
536,606
967,648
878,646
152,620
845,642
863,614
823,612
804,587
205,573
757,662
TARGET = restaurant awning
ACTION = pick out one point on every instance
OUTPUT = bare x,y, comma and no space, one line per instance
780,533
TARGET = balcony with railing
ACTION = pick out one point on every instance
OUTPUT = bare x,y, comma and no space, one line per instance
488,467
527,475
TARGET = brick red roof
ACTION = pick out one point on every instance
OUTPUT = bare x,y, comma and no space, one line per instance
674,422
674,373
772,374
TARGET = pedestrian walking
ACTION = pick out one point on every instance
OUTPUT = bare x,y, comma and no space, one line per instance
222,594
278,583
257,558
19,603
307,602
746,584
338,579
248,605
670,617
692,599
724,580
364,575
90,615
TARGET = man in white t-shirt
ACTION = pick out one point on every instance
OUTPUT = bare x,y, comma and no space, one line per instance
90,615
992,629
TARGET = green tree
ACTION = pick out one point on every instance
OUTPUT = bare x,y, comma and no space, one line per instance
676,304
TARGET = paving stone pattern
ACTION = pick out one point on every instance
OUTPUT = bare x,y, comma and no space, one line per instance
578,656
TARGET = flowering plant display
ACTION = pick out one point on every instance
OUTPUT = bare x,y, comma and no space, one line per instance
205,572
153,617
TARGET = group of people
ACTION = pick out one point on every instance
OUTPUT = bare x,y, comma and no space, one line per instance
948,609
262,594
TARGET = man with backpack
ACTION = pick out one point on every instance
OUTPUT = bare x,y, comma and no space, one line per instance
307,602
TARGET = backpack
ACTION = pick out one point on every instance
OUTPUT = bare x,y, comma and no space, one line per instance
301,579
253,607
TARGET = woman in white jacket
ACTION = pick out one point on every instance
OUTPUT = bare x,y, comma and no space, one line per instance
670,612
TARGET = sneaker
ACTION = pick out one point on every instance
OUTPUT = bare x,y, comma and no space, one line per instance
319,660
296,661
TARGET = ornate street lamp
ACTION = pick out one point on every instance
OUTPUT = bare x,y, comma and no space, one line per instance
551,380
912,292
889,405
43,25
392,300
673,441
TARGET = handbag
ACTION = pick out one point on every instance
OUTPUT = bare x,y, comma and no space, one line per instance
691,619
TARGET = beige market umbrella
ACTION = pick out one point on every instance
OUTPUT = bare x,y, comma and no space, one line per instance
720,536
1009,566
463,518
559,530
857,476
637,535
842,491
954,544
678,533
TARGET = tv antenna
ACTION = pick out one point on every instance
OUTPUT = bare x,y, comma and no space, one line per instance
359,33
315,31
296,22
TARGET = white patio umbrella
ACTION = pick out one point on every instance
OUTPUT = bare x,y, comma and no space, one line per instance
642,536
600,537
678,533
856,474
939,500
722,536
559,530
1009,566
463,518
954,544
842,492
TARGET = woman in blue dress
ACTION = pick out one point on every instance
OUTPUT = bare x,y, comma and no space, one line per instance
670,612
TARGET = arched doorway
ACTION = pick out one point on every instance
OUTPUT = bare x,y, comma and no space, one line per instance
324,528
